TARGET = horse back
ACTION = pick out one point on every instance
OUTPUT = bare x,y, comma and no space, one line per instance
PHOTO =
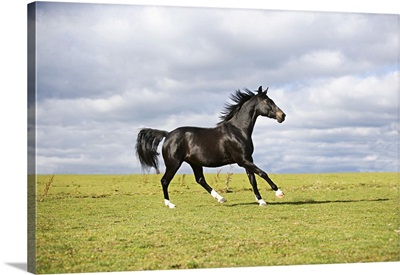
198,146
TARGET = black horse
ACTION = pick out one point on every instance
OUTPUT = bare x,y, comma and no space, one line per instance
227,143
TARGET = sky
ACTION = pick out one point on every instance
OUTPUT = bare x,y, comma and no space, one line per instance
105,71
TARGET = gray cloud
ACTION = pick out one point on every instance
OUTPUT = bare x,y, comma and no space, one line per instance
104,71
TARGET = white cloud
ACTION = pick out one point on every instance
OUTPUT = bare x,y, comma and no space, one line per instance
104,71
346,124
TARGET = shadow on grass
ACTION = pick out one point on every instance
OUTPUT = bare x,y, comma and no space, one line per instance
306,202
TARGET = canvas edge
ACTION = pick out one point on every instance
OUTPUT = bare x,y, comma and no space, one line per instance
31,136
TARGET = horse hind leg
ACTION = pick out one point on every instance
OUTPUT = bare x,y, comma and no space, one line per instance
165,181
165,184
198,173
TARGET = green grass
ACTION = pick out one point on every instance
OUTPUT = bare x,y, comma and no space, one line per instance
98,223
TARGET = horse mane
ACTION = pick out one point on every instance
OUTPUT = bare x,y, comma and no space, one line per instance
239,98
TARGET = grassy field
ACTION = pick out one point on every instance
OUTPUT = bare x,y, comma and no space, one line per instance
97,223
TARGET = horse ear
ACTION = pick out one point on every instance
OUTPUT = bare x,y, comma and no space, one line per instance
260,90
266,90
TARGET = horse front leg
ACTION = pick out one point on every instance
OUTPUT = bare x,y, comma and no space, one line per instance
253,183
252,168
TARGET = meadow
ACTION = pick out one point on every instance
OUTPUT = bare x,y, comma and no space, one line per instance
99,223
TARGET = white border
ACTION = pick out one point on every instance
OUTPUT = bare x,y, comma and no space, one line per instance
13,128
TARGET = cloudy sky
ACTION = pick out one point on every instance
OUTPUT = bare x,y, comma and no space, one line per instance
105,71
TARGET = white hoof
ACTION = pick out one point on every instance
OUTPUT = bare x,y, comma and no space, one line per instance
221,200
279,194
217,196
169,204
262,203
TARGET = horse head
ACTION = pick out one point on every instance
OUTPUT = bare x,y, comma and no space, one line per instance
267,107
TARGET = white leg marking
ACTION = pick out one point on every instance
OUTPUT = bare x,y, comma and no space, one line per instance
262,202
279,194
169,204
217,196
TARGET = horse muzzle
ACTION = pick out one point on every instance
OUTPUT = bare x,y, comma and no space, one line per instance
280,116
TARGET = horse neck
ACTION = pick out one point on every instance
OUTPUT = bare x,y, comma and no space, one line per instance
245,119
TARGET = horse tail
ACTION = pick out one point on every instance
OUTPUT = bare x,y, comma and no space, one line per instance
146,147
